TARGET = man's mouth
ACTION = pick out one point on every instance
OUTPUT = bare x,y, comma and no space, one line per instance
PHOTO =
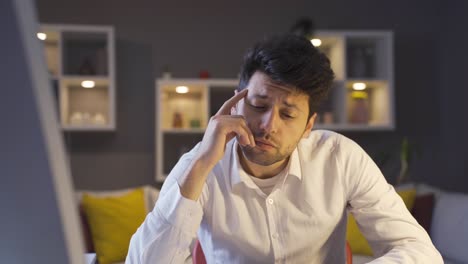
264,144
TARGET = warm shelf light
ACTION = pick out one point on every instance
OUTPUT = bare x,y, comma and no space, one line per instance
41,36
88,84
316,42
182,89
359,86
359,95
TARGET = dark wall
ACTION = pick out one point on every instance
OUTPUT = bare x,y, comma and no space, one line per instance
453,94
213,35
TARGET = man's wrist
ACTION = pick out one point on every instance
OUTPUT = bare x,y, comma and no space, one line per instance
197,173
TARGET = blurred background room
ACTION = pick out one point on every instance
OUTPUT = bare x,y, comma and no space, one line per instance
127,131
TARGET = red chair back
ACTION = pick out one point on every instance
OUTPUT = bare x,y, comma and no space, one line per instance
349,254
198,257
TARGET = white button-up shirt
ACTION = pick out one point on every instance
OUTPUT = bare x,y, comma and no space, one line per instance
302,220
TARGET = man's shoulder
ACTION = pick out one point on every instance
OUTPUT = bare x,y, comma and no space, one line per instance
327,139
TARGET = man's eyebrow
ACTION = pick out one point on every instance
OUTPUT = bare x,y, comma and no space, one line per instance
264,97
291,105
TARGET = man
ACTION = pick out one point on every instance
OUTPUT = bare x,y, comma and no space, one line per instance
262,187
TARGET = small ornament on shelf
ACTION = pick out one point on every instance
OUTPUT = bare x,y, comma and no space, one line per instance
87,67
76,118
99,119
86,118
359,108
195,123
204,74
177,121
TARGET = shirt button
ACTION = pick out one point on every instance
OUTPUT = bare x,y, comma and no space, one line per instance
270,201
275,235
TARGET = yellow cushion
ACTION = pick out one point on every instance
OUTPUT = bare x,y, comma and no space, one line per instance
356,239
408,196
113,221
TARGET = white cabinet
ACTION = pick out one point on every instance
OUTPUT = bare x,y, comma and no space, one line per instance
359,59
81,64
183,109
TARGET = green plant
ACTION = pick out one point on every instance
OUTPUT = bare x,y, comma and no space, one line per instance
408,152
396,160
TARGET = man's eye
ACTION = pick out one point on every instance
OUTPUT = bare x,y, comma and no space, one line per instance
288,116
257,107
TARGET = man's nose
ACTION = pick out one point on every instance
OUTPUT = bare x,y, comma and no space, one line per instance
269,122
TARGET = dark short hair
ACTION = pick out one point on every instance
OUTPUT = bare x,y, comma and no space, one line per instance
290,60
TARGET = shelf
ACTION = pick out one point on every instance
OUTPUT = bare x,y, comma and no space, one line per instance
83,106
73,80
368,57
51,50
85,53
85,128
184,110
181,119
74,54
344,110
333,45
370,106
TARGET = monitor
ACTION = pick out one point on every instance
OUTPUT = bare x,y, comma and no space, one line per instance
39,220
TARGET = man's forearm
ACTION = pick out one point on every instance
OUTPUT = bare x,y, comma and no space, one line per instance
192,184
413,252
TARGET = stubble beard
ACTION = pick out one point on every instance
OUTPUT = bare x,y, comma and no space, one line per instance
263,157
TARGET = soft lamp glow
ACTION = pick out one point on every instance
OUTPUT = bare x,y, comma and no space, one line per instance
359,95
359,86
316,42
182,89
88,84
41,36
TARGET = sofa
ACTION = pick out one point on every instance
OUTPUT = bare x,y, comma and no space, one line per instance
444,215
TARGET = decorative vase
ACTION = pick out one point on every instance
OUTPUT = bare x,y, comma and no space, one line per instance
359,108
177,120
87,68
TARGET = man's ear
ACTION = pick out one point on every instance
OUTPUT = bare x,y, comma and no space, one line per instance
309,126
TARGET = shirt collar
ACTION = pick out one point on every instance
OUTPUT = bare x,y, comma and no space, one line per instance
238,174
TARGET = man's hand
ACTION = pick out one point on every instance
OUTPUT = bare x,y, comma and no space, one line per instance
221,128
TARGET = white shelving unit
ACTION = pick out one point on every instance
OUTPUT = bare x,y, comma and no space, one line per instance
77,54
181,119
364,57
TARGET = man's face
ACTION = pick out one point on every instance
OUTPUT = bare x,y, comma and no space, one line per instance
277,116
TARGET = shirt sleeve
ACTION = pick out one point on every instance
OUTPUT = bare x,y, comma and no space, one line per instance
393,233
168,231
